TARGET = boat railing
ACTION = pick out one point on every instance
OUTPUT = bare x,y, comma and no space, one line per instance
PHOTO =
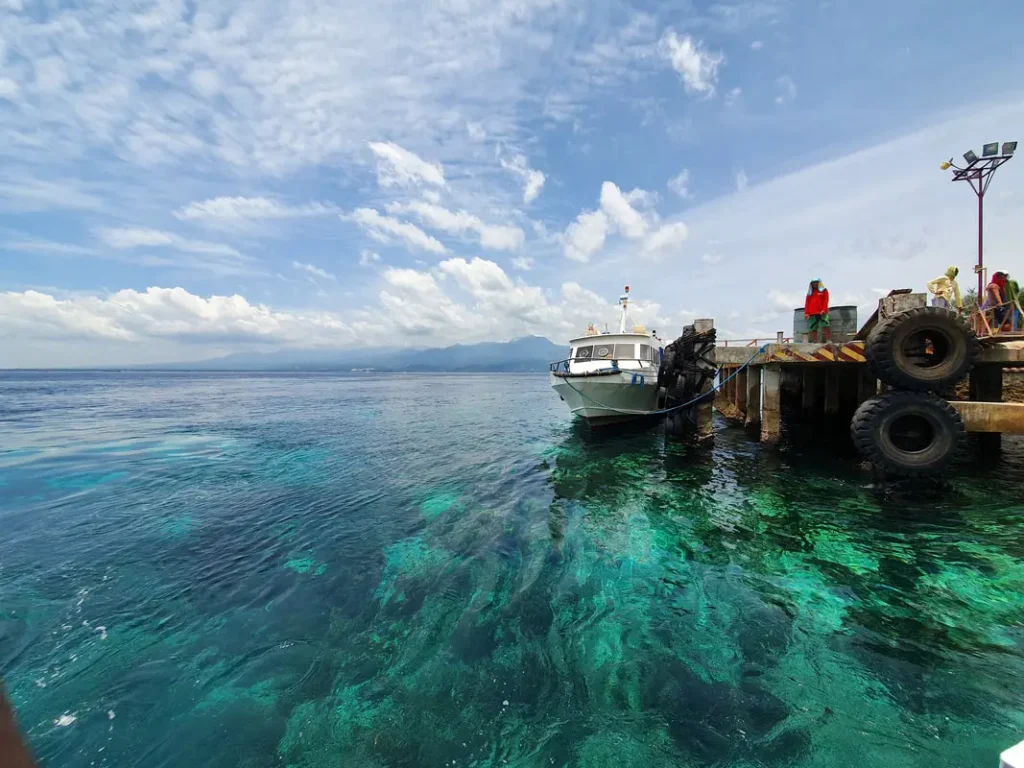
563,365
753,342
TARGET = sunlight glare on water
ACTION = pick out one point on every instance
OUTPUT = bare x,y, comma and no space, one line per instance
319,570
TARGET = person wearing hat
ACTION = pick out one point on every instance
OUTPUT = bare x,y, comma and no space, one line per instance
816,311
997,298
945,290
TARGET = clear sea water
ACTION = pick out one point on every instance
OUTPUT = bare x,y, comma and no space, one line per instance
376,571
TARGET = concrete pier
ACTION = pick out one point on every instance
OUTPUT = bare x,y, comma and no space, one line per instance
833,379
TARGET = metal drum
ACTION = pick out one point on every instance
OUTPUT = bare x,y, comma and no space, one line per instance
844,323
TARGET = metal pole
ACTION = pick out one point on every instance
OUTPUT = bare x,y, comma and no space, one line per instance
981,230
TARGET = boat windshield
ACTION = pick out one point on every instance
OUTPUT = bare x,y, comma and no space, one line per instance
613,351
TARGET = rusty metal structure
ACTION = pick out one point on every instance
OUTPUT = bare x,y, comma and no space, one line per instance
978,172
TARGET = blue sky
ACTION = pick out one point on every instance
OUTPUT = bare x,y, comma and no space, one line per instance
181,180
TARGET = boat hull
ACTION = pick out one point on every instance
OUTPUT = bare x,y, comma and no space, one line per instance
608,399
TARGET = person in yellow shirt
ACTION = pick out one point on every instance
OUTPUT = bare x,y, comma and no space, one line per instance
945,290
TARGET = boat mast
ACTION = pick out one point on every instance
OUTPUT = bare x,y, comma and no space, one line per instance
623,300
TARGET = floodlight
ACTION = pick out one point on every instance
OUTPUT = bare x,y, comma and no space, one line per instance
990,150
970,157
1009,147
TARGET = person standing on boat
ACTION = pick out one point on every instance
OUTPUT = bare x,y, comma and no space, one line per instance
816,311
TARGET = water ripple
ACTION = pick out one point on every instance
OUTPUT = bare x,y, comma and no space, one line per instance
421,570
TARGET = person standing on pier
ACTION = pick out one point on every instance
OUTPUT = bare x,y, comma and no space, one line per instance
946,290
816,311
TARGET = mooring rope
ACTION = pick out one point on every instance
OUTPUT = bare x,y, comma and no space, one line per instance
662,411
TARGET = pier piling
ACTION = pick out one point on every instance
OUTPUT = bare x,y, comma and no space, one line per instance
986,385
752,418
771,403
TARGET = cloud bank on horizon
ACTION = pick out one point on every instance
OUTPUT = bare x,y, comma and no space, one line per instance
180,182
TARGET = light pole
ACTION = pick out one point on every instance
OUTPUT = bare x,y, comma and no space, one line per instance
978,173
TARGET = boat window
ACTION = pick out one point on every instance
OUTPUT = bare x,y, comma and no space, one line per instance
625,351
645,352
604,351
584,353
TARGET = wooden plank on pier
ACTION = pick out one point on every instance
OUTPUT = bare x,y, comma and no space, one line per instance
1006,354
991,417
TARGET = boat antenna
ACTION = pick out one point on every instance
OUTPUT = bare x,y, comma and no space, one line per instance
623,300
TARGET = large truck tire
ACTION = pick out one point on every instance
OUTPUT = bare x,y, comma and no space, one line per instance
908,434
925,349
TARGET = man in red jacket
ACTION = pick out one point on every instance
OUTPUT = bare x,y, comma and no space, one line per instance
816,311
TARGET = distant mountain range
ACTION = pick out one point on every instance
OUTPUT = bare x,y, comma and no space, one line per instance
529,353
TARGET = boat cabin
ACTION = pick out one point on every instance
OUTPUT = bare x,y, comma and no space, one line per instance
626,351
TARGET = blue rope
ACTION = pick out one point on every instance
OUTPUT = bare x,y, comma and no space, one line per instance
675,407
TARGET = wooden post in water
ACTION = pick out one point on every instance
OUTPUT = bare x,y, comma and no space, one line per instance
771,403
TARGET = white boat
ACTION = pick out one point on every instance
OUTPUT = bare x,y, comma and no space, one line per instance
610,377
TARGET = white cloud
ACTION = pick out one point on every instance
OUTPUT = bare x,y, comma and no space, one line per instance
492,236
167,313
757,45
33,194
398,167
296,94
383,228
205,81
9,89
50,74
312,270
129,238
733,96
414,304
697,67
523,263
784,301
232,211
680,184
667,238
741,180
533,180
786,90
585,236
476,131
618,212
48,247
488,284
711,258
626,219
369,258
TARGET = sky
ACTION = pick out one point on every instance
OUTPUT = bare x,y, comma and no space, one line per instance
183,180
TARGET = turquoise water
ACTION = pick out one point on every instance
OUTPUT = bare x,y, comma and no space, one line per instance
234,570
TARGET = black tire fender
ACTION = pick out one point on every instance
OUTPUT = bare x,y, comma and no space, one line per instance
925,349
908,434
